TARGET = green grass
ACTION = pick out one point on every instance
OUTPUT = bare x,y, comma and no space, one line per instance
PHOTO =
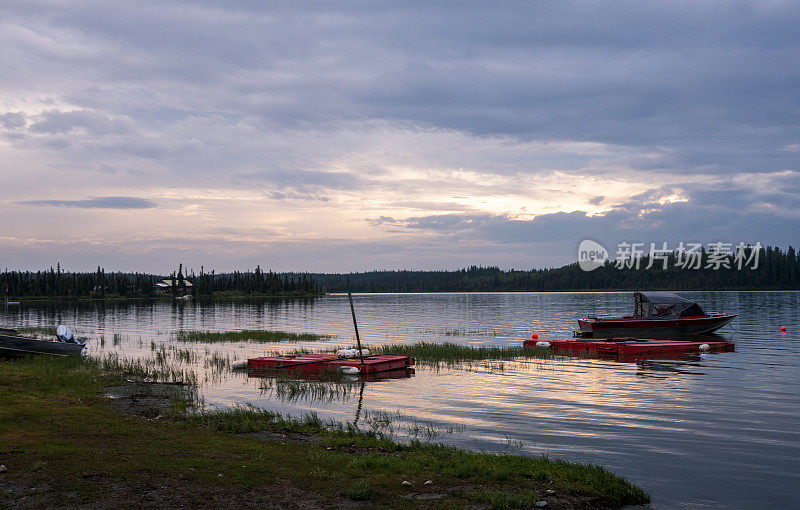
360,490
499,499
448,353
253,335
59,435
240,420
513,475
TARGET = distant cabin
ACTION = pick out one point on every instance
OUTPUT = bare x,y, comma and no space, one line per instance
165,286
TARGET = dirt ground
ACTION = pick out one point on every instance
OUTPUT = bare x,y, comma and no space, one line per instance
144,399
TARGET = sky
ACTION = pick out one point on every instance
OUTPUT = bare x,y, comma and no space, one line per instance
333,136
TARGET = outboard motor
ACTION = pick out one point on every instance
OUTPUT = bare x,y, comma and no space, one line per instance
64,334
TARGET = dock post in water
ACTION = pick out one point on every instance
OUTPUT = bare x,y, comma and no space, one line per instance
355,325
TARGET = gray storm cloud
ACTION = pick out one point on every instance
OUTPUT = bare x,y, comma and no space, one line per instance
96,203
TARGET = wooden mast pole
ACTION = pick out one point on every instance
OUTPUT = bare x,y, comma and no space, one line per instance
355,325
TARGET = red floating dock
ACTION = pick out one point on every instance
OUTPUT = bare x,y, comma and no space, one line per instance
307,363
631,349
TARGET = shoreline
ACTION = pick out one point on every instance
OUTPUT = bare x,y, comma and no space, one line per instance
164,298
78,448
21,301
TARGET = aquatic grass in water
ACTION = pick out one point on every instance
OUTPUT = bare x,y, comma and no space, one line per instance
470,332
429,431
253,335
376,425
38,330
184,355
449,354
381,424
219,362
292,390
155,369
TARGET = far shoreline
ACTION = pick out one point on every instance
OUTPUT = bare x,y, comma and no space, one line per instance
19,301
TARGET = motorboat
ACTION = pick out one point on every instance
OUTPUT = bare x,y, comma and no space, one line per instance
656,315
65,344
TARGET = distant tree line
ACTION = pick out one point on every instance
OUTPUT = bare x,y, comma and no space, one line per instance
99,285
56,282
776,270
254,283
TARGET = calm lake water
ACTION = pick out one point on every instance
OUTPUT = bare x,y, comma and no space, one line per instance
708,431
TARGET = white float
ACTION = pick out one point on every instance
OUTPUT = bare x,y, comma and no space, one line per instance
351,353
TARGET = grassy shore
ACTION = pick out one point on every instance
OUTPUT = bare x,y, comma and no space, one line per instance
252,335
65,445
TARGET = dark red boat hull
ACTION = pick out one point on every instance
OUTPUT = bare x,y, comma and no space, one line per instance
650,328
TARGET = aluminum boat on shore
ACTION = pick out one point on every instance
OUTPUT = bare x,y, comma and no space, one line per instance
656,315
13,346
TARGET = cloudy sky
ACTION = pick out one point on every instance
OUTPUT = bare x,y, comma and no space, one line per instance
333,136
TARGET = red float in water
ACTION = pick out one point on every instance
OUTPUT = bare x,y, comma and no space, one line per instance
631,349
320,362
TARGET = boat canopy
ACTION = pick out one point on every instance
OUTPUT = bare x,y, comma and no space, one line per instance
663,305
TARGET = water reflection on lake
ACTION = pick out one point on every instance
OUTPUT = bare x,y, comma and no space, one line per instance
710,430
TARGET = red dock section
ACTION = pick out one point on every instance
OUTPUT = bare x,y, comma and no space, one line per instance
632,349
319,362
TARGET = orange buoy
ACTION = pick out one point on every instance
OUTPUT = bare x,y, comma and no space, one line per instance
535,336
783,329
